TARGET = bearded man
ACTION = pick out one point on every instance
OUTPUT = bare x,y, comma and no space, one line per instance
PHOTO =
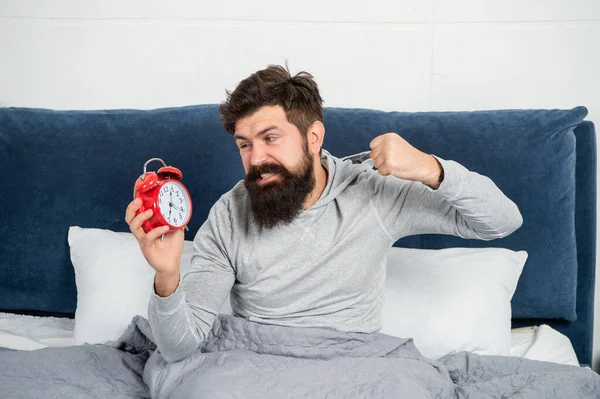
302,240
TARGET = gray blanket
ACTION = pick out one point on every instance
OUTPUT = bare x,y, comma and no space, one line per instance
242,359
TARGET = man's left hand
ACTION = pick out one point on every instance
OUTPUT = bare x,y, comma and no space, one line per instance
394,156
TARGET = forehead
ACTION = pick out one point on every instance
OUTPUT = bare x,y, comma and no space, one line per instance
263,117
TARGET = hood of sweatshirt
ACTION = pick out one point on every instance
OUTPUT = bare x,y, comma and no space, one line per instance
341,172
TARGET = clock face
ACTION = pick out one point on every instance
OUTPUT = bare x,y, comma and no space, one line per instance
174,203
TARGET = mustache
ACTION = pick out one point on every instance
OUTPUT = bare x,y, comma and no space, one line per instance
256,171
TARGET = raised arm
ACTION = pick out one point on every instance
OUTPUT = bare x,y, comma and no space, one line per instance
424,194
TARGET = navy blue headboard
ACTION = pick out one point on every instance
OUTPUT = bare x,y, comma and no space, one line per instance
580,330
64,168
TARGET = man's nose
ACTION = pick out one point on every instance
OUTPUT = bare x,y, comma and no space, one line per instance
258,156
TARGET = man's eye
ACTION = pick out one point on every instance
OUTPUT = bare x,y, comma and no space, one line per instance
270,138
243,145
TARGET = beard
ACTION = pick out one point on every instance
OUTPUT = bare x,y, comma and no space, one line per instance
280,201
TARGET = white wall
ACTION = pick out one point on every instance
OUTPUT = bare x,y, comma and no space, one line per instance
411,55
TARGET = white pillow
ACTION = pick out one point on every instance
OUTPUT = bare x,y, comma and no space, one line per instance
452,300
543,343
114,282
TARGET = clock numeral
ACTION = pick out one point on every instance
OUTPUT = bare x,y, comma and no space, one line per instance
181,200
159,200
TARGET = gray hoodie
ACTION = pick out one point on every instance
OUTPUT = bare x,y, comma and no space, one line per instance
326,268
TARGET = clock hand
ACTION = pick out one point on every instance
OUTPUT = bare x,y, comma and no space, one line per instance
179,209
170,205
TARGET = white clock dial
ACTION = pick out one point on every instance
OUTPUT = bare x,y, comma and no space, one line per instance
174,203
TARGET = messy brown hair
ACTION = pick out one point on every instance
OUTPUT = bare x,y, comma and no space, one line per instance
298,95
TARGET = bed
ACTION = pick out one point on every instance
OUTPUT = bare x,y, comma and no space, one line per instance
75,279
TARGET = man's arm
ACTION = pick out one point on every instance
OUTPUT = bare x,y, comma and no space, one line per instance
413,201
181,314
165,283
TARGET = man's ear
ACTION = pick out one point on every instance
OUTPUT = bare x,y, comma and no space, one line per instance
315,136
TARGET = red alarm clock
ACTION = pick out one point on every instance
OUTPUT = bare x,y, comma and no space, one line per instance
168,198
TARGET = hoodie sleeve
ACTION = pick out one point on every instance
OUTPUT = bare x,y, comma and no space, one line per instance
181,322
466,204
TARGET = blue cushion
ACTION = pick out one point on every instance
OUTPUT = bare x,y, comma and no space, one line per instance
498,144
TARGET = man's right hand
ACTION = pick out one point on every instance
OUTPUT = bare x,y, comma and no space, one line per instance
164,256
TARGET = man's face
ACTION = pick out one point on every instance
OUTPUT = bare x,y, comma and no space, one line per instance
279,167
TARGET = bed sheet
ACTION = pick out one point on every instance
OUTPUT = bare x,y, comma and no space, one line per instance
543,343
32,332
299,362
